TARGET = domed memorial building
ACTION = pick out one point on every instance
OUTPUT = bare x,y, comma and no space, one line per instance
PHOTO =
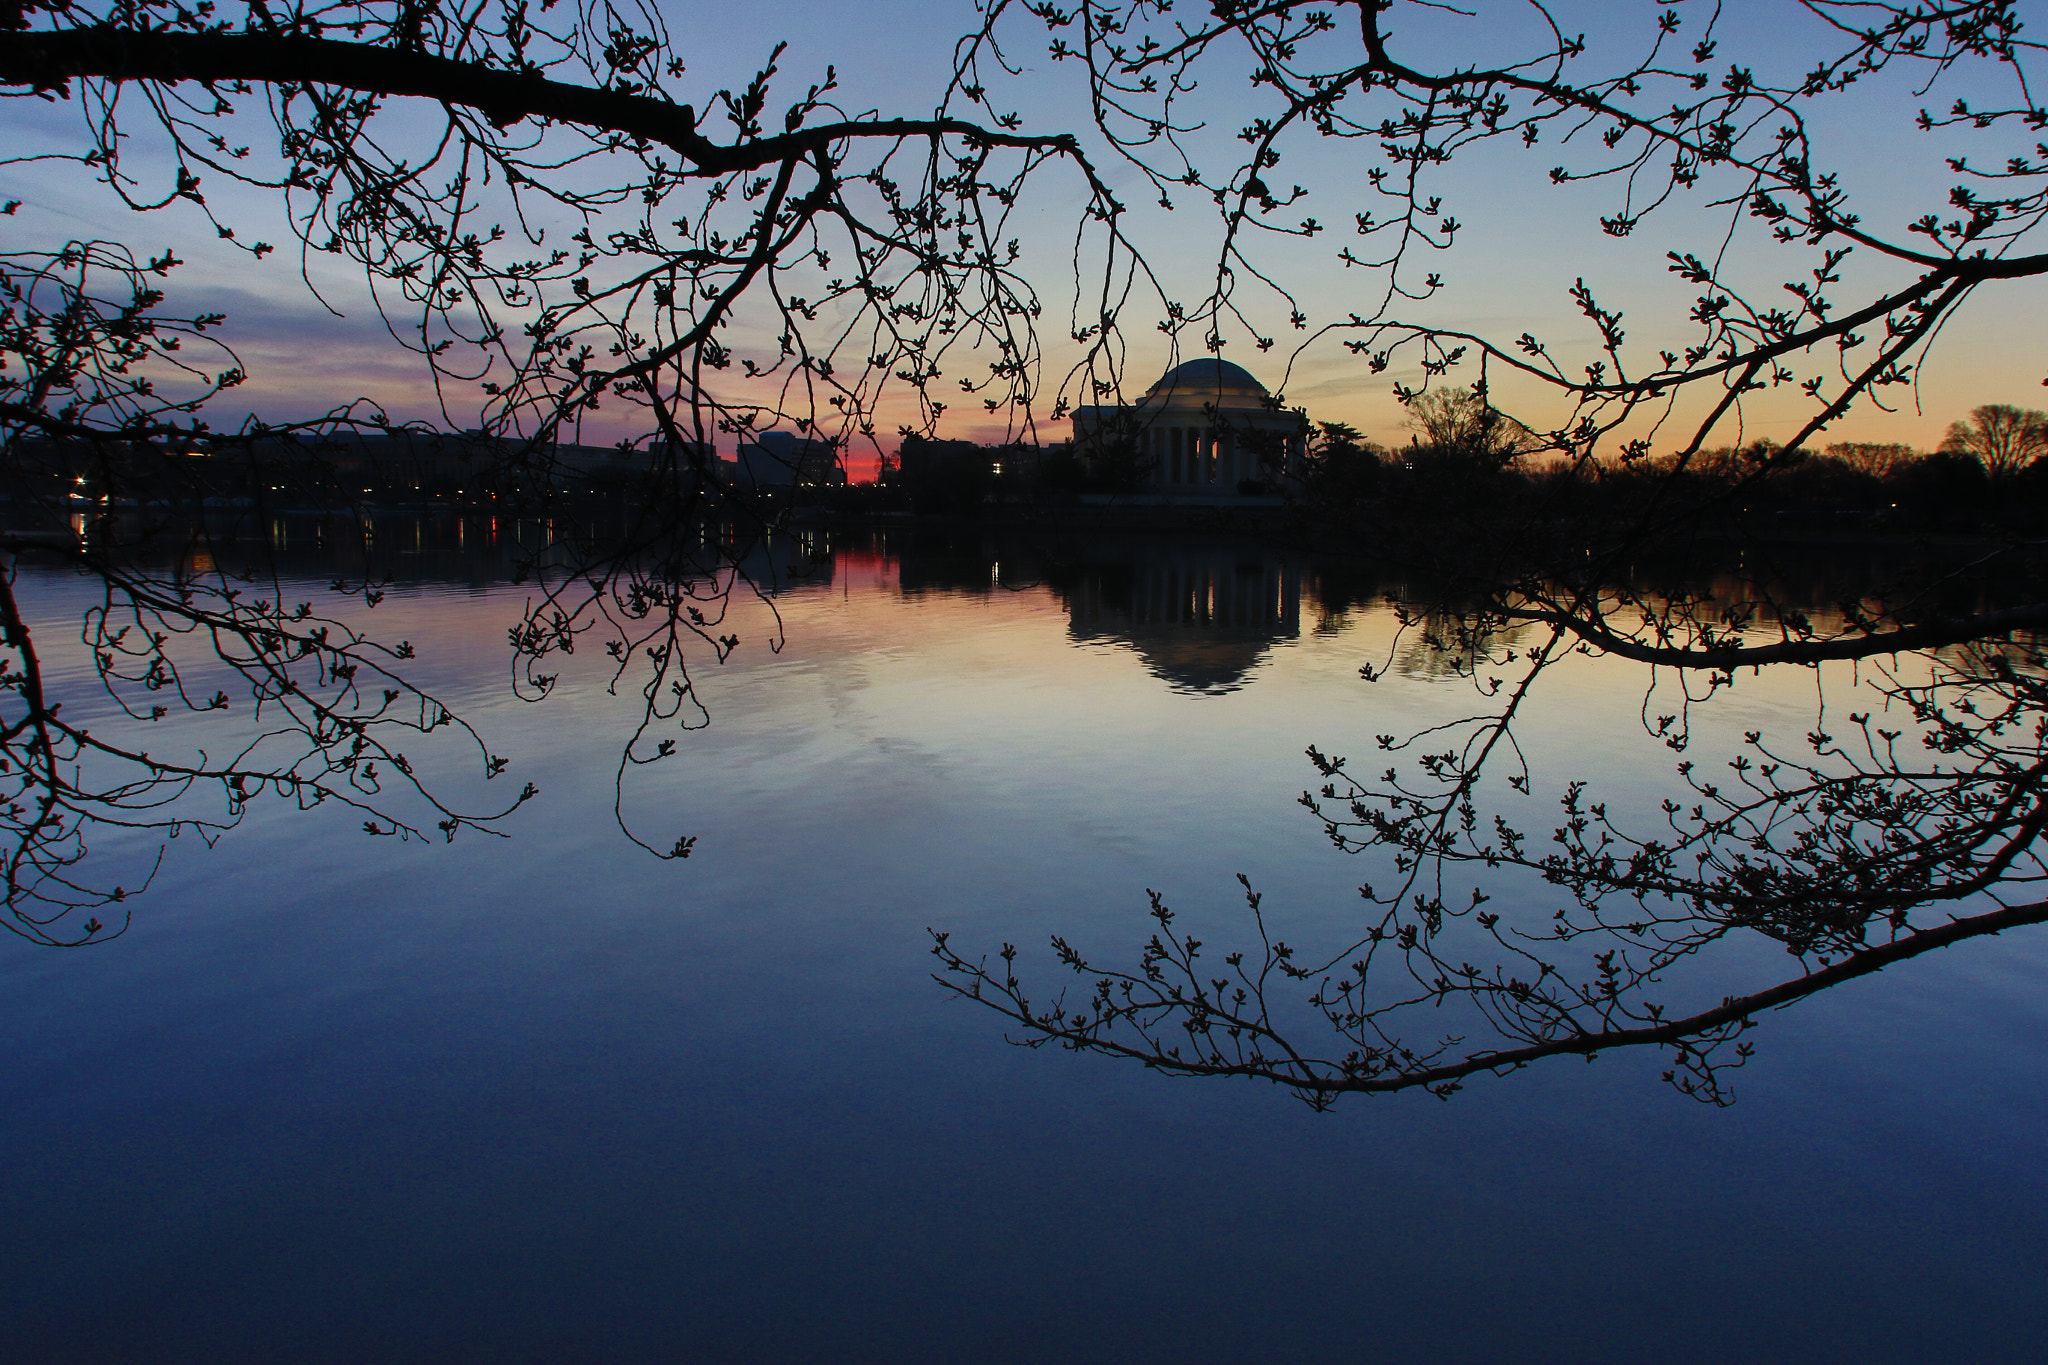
1206,431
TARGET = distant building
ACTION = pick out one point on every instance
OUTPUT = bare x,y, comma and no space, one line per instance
399,462
1207,430
957,477
782,459
679,457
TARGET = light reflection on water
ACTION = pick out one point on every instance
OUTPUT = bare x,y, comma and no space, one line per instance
550,1099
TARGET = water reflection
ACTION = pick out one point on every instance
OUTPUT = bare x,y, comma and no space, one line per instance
1202,613
720,1106
1202,616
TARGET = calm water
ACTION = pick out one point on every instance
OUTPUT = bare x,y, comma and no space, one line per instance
341,1099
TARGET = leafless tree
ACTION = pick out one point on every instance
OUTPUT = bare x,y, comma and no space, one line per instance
557,233
1679,120
95,381
1873,457
553,232
2004,439
1458,424
1914,829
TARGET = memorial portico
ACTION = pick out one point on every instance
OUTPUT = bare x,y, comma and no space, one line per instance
1206,431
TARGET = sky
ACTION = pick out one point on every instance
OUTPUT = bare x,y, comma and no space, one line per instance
1524,244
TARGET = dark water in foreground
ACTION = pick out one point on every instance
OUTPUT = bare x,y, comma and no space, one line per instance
341,1099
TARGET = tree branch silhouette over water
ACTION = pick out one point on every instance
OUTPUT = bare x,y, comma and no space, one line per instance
103,479
561,240
1852,853
1916,829
553,235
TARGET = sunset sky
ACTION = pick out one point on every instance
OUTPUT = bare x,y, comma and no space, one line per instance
1524,244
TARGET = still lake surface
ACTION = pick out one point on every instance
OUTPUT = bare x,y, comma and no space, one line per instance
342,1099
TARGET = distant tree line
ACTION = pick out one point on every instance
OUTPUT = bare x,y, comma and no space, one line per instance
1988,472
1466,459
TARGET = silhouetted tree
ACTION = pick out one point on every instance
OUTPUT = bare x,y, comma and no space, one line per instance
94,382
1947,487
1459,426
2002,438
1343,469
1913,829
948,478
555,231
1880,458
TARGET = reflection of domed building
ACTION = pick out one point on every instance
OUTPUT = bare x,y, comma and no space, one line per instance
1207,429
1201,617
